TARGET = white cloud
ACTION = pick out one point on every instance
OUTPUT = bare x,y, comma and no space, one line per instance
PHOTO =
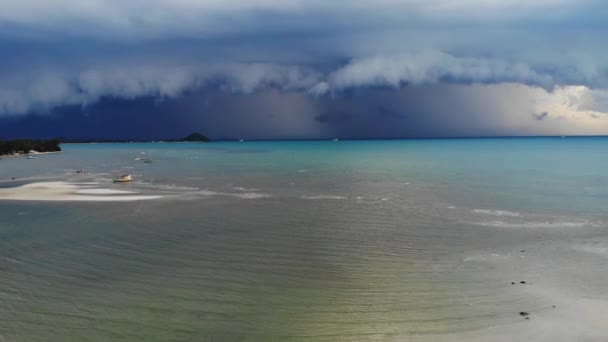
430,67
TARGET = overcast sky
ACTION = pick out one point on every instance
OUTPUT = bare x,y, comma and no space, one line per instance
270,69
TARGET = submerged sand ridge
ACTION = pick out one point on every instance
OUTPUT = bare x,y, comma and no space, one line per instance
66,192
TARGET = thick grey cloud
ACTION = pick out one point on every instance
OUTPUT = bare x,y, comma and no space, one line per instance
432,110
75,51
335,58
44,89
139,19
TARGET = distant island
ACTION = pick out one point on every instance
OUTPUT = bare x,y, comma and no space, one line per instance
27,146
195,137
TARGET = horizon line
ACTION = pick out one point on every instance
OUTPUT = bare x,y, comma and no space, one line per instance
86,141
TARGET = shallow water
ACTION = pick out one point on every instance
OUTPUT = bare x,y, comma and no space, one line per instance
354,241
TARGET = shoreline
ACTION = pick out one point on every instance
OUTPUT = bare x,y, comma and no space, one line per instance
35,153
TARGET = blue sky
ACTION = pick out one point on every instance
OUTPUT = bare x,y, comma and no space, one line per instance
303,69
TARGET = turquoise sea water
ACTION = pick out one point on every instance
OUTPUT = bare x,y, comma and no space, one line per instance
303,240
524,173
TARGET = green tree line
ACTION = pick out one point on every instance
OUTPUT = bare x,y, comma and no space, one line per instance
26,145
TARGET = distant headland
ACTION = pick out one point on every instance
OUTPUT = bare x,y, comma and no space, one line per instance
33,146
194,137
28,146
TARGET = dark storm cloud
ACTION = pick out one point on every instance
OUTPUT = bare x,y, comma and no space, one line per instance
384,113
333,117
304,68
73,52
436,110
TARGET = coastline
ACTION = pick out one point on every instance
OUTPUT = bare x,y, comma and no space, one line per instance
32,153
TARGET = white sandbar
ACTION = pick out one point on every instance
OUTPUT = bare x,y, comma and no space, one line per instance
63,191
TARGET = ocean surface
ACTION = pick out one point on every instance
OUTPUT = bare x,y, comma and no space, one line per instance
413,240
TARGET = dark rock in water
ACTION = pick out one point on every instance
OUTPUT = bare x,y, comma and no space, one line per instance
512,283
522,282
524,314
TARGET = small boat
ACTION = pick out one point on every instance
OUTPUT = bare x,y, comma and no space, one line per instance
147,161
80,171
335,139
241,140
123,179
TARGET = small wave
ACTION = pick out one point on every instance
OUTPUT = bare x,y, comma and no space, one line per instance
250,195
320,197
597,250
303,170
496,212
240,188
558,224
15,261
246,195
486,257
169,187
208,193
